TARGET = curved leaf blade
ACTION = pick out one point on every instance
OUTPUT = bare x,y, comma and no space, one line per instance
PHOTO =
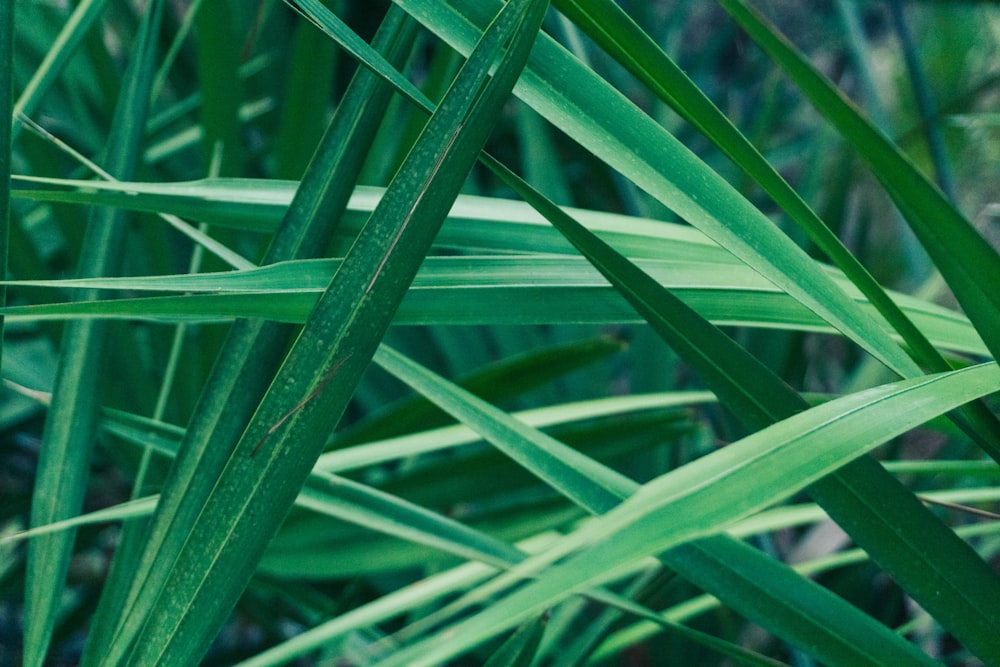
312,388
705,496
959,252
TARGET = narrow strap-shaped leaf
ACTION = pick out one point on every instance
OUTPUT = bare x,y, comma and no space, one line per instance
253,349
343,35
585,645
259,205
741,382
519,650
772,520
220,85
828,622
348,500
71,423
572,97
808,615
311,71
882,516
478,290
312,388
925,101
619,35
959,252
704,496
341,498
65,46
589,484
6,104
703,603
502,379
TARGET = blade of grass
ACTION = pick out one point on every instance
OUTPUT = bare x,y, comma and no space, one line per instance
615,31
763,522
520,649
197,235
586,482
958,251
475,224
333,27
804,614
306,99
165,438
72,420
734,652
706,495
503,379
180,37
879,513
65,46
128,552
6,106
340,498
254,348
799,592
699,605
478,290
924,100
573,98
220,85
275,453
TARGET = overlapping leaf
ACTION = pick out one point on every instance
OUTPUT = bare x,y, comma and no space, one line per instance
312,388
705,496
71,423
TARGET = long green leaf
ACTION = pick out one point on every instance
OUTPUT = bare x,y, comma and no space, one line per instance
474,223
72,421
6,104
607,23
701,604
343,35
705,496
615,31
520,649
959,252
314,384
253,349
57,57
882,516
804,614
220,85
479,290
770,520
573,98
498,381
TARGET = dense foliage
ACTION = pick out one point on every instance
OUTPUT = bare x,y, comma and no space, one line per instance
612,333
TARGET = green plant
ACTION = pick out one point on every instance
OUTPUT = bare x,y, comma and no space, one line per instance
569,497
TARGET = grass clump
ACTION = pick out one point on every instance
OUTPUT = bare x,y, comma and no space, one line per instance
463,332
